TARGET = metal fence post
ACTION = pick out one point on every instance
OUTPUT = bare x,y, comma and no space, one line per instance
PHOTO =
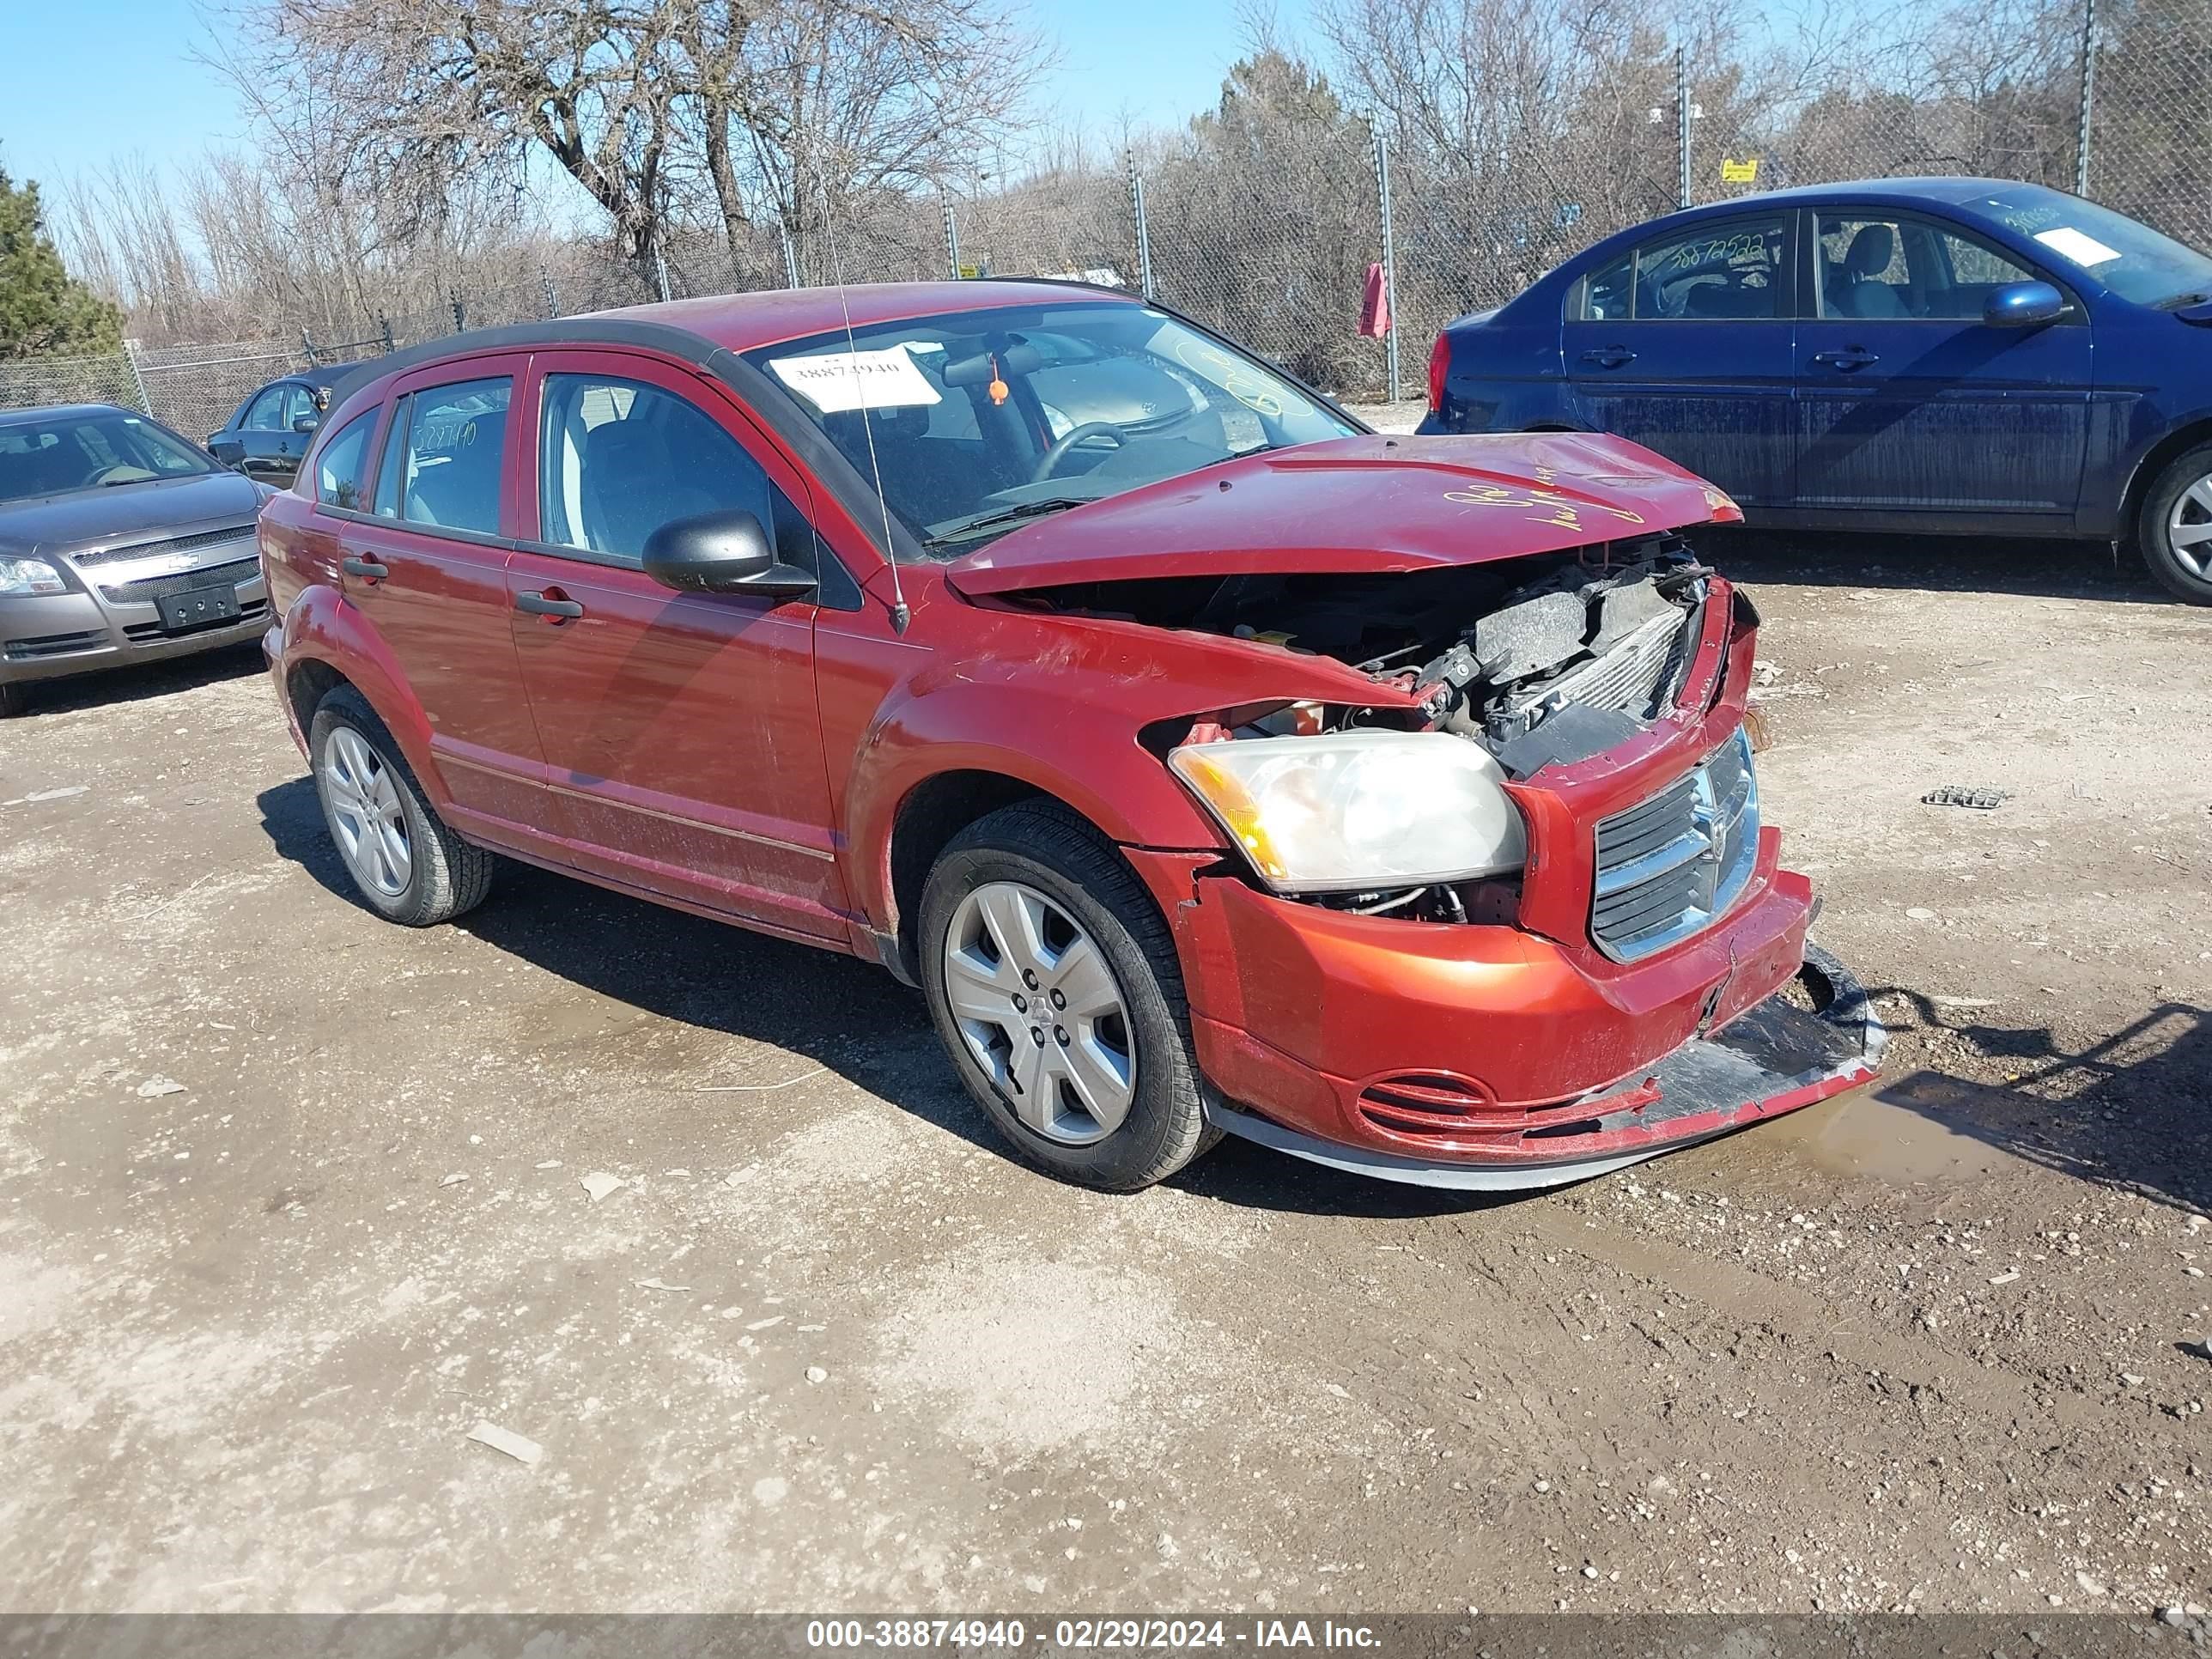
790,256
552,300
951,240
1389,259
1143,230
461,314
660,272
137,376
384,328
1682,123
2088,96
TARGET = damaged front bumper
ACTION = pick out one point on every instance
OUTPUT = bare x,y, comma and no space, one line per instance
1771,1059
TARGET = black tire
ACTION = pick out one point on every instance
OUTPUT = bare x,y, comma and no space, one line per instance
13,702
2155,541
1044,846
447,875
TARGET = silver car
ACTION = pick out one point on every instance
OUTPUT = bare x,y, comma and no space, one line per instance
120,542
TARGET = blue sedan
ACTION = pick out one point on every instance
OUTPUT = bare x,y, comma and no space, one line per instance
1946,355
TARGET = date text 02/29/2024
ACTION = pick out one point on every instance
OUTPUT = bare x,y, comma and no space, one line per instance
1011,1635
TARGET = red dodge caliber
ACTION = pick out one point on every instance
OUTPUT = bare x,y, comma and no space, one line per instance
1212,764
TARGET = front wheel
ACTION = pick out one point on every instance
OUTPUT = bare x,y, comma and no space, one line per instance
13,700
1054,985
2175,528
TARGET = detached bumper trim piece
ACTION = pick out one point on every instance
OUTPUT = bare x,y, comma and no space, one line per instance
1773,1058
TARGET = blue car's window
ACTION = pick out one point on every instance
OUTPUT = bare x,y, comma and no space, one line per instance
1606,292
1731,270
2130,257
1906,269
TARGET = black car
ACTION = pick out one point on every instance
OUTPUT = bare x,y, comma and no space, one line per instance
268,434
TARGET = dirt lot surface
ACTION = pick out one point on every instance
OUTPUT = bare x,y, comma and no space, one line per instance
291,1201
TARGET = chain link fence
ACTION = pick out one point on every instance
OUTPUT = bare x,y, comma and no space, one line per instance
1269,217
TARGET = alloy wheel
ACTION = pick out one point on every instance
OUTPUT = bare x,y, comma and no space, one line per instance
367,813
1039,1009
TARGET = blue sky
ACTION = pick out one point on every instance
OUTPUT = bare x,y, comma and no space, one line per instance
77,95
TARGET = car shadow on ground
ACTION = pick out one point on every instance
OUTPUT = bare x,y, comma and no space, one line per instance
2126,1113
2030,566
819,1007
138,682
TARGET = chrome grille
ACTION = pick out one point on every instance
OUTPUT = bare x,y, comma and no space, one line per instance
170,544
184,582
1668,865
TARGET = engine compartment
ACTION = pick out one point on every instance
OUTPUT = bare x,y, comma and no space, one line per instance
1542,660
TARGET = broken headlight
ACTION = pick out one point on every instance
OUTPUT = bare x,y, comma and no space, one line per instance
1359,810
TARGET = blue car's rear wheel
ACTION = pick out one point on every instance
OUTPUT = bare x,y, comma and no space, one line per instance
2175,528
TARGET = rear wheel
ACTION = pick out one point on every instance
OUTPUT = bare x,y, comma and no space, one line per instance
2175,528
1054,985
404,862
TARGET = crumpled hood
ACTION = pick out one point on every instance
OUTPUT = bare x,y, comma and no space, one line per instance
1358,504
128,512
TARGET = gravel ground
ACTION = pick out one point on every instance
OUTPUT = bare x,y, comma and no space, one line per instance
292,1200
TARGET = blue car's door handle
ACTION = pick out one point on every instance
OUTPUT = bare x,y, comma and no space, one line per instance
1609,356
1854,357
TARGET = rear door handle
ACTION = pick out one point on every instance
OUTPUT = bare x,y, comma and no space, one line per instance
1852,357
369,570
1609,356
537,605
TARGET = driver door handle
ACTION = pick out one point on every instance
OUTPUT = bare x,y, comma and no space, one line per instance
1609,356
368,569
540,604
1849,358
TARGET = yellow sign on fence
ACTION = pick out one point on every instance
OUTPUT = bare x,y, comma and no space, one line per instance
1740,172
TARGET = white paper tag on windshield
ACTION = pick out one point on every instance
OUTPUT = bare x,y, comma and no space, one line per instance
2077,245
835,381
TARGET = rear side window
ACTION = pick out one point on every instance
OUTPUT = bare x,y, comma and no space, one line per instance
448,447
620,458
339,467
1726,271
1605,292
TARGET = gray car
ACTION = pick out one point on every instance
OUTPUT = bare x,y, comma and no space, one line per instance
120,542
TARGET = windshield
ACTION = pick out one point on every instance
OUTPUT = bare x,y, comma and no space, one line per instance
2130,257
89,449
983,419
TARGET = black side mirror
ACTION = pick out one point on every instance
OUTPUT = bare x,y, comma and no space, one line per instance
2023,305
721,553
305,424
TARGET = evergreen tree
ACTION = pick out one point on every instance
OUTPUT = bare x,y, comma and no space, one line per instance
44,311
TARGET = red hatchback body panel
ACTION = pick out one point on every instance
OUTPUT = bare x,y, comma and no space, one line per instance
768,761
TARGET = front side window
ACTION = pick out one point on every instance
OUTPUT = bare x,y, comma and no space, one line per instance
978,420
1718,271
267,414
448,466
619,459
339,467
54,455
299,404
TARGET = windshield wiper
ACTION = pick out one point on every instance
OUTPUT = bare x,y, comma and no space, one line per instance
1001,518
